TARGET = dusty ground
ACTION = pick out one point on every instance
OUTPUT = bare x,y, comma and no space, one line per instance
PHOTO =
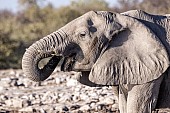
59,93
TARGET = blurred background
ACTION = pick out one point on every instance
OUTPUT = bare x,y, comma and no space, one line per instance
24,21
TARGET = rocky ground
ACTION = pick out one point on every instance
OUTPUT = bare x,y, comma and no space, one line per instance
60,93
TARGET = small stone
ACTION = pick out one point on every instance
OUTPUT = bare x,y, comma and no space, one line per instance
9,103
27,82
26,103
42,110
5,82
27,109
20,82
107,100
57,81
18,103
61,94
115,106
38,102
51,110
1,88
59,107
25,97
77,89
93,95
65,98
71,82
76,98
32,96
85,108
77,93
100,107
93,105
46,95
12,72
84,97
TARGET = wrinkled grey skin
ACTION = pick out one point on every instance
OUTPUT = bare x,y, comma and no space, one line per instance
129,51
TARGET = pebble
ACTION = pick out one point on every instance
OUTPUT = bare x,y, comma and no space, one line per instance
84,97
5,82
61,92
85,108
17,103
57,81
107,100
8,103
71,82
1,88
26,109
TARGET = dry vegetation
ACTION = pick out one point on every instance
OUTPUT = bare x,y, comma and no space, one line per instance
19,30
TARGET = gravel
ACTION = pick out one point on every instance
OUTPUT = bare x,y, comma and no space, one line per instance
60,93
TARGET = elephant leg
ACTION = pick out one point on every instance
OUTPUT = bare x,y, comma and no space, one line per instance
143,98
164,92
123,98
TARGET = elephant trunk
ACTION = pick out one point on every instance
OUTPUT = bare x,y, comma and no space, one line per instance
49,46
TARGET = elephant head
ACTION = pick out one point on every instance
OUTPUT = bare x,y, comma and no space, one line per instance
108,48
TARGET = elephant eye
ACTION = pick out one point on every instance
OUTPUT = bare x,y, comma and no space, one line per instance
82,34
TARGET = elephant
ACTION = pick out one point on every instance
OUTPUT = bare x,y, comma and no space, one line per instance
128,51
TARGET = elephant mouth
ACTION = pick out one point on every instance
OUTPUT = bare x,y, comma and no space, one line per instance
69,62
74,63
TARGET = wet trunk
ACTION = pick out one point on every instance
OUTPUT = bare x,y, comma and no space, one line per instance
49,46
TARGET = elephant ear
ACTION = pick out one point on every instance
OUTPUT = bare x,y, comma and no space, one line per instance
133,56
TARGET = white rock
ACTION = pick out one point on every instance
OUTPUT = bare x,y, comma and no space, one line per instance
32,96
57,80
76,98
46,95
84,97
27,109
27,82
76,93
9,103
1,88
12,72
85,108
5,82
59,107
61,94
77,89
20,82
115,107
93,105
65,98
107,100
18,103
95,95
71,82
42,110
